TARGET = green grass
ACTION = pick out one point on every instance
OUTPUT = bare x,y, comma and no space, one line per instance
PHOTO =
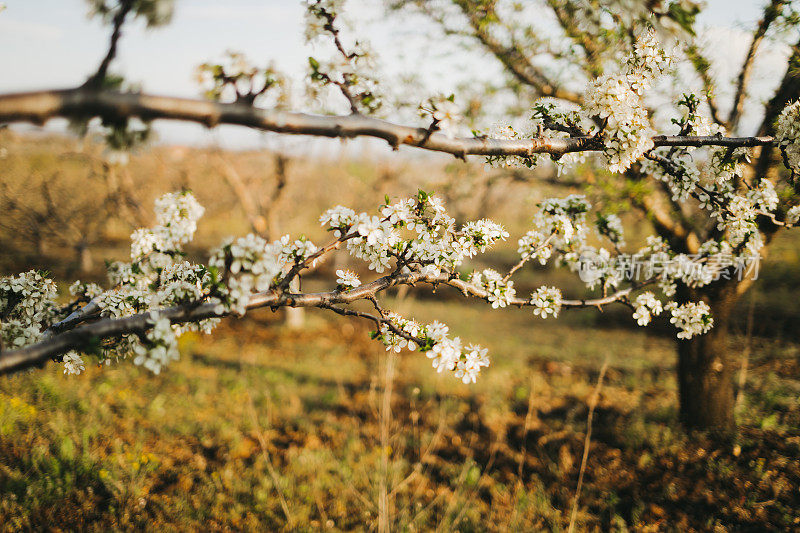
264,428
259,415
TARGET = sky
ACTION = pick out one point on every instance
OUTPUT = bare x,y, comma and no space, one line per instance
52,44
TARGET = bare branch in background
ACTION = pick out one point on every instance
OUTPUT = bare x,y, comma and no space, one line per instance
771,12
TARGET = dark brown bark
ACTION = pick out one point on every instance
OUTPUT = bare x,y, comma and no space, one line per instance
706,369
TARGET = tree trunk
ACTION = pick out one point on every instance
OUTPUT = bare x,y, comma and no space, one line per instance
85,261
295,316
706,369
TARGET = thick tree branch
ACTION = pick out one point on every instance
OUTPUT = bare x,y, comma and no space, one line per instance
84,336
38,107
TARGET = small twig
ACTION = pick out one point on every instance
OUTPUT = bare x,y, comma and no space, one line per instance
96,80
525,259
586,443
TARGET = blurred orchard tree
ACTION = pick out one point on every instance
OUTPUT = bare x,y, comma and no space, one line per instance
619,85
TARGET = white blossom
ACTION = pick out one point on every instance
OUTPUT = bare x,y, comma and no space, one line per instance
445,113
160,347
252,264
445,354
533,245
469,366
73,363
85,291
546,301
338,218
793,215
787,132
27,297
646,306
617,99
691,318
501,293
764,196
347,278
611,226
315,19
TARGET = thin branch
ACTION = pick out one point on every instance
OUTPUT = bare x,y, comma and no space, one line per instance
513,58
250,202
587,441
568,22
96,80
702,66
712,140
526,258
771,13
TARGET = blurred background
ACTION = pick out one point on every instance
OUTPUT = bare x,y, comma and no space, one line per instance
299,421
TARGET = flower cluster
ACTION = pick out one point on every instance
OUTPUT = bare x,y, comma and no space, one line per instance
506,131
450,354
546,301
446,353
159,348
296,251
179,283
611,226
318,14
469,365
691,121
236,79
27,297
73,363
617,100
563,220
176,217
534,245
395,342
691,318
787,132
248,264
646,306
445,115
501,292
338,219
350,70
793,215
416,234
26,307
85,291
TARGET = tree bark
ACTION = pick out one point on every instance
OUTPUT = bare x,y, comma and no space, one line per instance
706,368
85,262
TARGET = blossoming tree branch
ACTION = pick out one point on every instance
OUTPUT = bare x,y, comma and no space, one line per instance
714,199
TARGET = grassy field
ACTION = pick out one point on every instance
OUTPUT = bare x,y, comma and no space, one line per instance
263,427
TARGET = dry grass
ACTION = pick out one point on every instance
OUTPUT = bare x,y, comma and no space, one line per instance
264,428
